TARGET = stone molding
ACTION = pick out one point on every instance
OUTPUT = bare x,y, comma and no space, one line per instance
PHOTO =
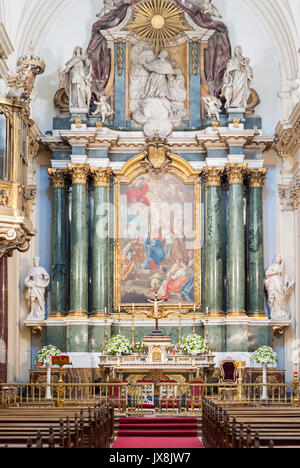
288,135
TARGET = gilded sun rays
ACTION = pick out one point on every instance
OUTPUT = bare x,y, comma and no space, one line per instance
158,22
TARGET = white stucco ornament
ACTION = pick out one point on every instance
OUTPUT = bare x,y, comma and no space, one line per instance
237,81
157,91
36,283
278,287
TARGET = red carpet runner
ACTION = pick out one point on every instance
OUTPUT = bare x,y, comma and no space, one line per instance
157,433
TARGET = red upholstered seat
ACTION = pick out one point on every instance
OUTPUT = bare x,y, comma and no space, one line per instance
228,371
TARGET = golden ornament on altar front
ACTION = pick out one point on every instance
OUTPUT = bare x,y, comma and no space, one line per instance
158,22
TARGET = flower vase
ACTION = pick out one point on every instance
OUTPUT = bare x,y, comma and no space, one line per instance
48,389
264,381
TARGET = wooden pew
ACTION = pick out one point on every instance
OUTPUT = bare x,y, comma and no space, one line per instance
245,427
57,427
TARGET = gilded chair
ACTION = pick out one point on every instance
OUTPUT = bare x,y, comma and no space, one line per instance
228,377
194,394
168,399
144,399
118,394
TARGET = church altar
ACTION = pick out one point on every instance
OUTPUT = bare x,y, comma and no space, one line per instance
124,366
157,178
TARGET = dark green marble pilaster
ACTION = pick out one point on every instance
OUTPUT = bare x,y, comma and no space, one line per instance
255,248
236,242
213,252
78,249
59,244
100,269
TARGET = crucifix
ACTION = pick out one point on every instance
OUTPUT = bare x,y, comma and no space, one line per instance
156,313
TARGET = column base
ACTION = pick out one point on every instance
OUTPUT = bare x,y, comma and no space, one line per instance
56,315
214,314
236,314
77,314
258,315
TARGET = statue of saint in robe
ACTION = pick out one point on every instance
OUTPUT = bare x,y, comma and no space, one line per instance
157,85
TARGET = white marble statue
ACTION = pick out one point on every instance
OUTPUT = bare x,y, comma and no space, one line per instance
278,287
212,107
157,91
36,282
208,8
103,108
77,78
108,6
237,81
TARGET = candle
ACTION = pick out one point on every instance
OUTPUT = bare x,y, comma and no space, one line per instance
194,307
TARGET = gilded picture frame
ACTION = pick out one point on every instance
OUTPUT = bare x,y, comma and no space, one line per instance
136,167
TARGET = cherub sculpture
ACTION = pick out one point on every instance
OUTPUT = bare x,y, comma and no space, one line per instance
103,108
212,106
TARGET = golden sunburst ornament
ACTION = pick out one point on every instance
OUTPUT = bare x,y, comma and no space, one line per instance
158,22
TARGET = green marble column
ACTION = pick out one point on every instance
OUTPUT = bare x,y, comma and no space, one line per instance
236,240
59,243
214,267
100,266
255,244
78,248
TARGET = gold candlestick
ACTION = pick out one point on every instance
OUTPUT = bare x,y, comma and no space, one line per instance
132,328
206,331
179,330
119,320
105,326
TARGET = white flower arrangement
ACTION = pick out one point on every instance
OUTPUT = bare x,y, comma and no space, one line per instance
118,345
45,354
265,355
193,345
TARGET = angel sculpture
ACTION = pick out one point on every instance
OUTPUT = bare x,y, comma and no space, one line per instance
208,8
103,108
212,106
109,5
278,287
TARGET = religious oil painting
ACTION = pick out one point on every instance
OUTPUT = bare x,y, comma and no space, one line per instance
157,246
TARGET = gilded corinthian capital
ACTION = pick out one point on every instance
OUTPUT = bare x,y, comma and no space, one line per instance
101,176
79,173
213,176
256,177
58,178
236,173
